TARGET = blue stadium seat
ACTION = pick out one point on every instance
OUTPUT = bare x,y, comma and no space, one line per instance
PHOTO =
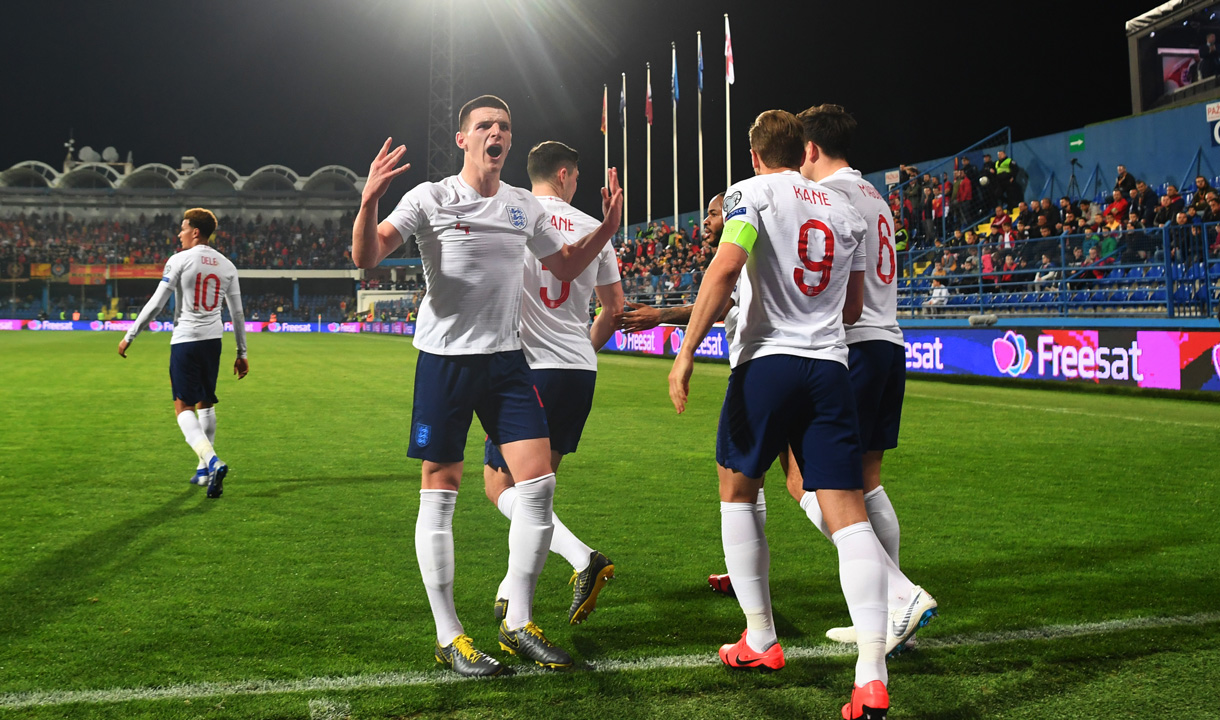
1215,269
1114,278
1159,296
1179,271
1139,296
1181,296
1046,298
1099,296
1196,272
1155,272
1135,273
1118,297
970,300
1029,300
1079,297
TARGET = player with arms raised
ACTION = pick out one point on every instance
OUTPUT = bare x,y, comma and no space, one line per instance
801,248
199,277
561,349
877,362
472,231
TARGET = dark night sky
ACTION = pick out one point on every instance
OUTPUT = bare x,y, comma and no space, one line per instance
306,83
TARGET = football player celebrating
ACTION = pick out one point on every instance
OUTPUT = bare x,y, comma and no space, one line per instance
801,248
876,356
561,348
199,277
470,227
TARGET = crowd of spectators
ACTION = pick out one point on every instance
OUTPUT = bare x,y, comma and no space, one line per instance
663,264
250,242
1069,245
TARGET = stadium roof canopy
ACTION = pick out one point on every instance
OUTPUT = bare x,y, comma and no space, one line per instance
1163,15
276,180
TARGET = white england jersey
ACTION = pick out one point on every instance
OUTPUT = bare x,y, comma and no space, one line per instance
554,314
809,239
199,278
471,247
879,320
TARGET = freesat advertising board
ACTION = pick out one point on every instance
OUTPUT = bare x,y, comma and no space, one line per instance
1170,360
667,341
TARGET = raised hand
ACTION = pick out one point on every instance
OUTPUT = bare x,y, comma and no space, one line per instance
383,170
612,201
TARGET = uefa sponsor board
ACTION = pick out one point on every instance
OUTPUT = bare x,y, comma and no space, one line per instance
667,340
1167,360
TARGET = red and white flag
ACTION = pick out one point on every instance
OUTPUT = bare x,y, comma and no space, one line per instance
648,101
728,53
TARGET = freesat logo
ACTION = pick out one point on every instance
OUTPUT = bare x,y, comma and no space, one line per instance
1010,354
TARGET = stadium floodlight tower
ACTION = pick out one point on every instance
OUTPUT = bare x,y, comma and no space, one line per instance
445,80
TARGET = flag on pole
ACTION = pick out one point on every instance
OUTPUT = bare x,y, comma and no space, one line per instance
622,104
700,39
648,101
603,110
728,53
673,77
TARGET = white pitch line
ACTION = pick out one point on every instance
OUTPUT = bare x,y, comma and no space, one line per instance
1063,411
709,659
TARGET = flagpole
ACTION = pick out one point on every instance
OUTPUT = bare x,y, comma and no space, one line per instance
702,200
605,137
623,179
648,151
728,136
673,51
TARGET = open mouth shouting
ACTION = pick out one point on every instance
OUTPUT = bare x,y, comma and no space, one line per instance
495,151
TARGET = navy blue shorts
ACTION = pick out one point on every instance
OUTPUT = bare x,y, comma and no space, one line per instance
193,367
879,379
449,388
567,398
777,401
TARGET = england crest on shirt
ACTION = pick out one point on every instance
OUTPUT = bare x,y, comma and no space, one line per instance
516,216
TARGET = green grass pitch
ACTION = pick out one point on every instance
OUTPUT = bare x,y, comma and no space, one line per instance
1021,510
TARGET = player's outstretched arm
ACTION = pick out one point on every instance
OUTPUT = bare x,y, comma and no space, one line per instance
372,243
241,366
147,313
611,298
715,294
571,260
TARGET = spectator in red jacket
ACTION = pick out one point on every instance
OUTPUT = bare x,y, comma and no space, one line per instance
1116,211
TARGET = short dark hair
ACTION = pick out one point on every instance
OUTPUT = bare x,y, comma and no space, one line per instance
547,158
202,220
776,137
831,128
482,101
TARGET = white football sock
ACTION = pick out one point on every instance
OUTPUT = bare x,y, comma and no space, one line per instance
505,505
862,575
809,503
884,520
760,508
434,551
207,420
529,539
193,433
748,561
563,542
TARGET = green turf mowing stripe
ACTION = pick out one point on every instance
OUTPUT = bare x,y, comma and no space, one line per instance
709,659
